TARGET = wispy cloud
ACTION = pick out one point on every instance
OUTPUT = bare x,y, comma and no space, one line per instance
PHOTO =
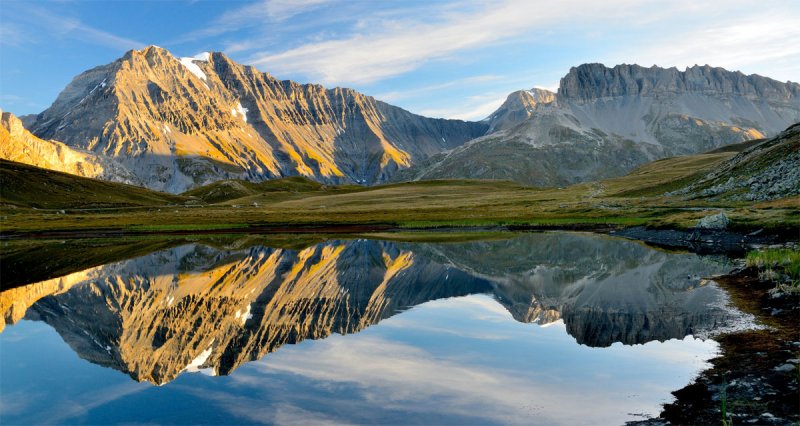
69,27
271,10
396,95
13,35
476,108
259,16
382,48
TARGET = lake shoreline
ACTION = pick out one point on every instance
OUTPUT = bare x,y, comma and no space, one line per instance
692,239
754,380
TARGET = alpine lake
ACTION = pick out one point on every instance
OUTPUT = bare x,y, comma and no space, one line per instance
522,328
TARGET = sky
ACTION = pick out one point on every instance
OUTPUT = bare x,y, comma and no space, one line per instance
452,59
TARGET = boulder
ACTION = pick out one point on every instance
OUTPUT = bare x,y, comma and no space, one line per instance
714,221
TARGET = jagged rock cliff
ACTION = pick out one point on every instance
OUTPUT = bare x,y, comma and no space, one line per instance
17,144
197,308
590,82
176,123
604,122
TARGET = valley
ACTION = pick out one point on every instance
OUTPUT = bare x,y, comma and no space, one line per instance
34,201
191,239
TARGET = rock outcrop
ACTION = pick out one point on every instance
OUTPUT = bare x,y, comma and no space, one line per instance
589,82
766,171
604,122
177,123
18,144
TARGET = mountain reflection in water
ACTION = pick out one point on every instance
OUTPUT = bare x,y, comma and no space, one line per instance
195,308
198,308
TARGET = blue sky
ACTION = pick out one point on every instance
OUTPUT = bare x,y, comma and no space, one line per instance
455,59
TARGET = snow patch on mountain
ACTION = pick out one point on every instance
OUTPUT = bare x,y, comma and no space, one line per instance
240,110
193,68
194,366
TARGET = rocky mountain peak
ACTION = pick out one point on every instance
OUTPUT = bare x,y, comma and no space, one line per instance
541,96
181,122
604,122
594,81
518,107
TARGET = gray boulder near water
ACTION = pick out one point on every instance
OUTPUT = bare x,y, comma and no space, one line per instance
715,221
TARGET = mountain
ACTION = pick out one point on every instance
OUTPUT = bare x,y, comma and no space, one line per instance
178,123
198,308
19,145
765,171
604,122
518,107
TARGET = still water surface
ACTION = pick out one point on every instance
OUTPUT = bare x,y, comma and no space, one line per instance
550,328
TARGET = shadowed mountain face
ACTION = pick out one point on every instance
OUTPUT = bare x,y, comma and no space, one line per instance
196,308
604,122
176,123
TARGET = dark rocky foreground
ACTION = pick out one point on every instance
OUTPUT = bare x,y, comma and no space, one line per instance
705,241
755,378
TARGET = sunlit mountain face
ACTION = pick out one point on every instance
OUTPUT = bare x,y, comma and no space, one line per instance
171,124
196,308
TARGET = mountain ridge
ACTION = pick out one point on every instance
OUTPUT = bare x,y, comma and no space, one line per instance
173,124
19,145
178,123
604,122
594,80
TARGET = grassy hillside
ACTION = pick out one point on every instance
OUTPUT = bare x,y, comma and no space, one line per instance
233,189
635,199
767,170
22,185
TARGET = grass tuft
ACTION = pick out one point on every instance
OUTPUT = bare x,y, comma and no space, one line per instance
779,265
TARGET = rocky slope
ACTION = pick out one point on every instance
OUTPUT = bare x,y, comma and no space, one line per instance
197,308
603,122
767,171
177,123
19,145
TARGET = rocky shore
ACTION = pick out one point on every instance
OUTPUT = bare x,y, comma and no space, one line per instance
702,240
754,380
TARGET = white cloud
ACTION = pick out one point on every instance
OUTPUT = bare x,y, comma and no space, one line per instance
62,26
268,10
475,108
398,376
426,90
387,48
